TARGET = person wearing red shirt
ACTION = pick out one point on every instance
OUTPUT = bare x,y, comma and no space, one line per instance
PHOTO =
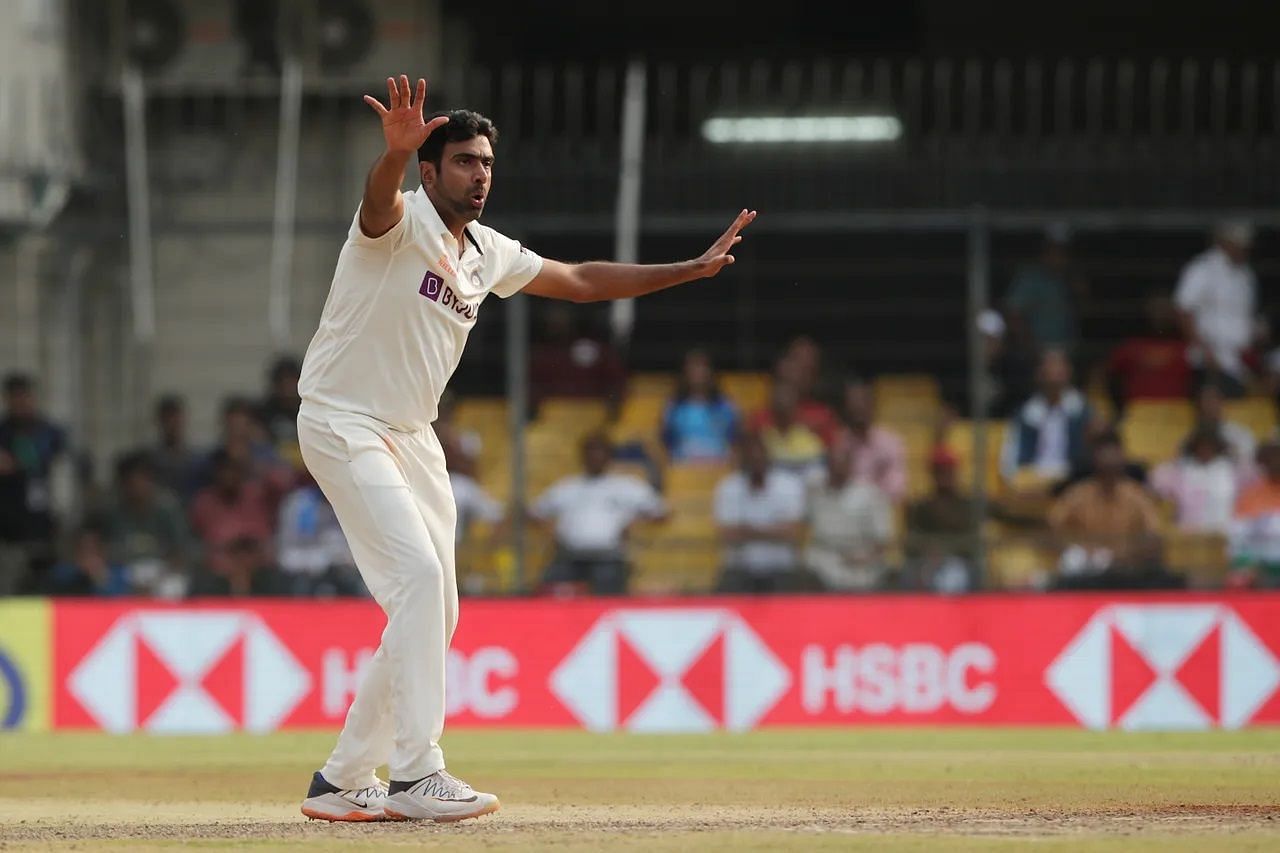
1153,365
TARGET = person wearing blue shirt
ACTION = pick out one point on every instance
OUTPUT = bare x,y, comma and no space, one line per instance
700,424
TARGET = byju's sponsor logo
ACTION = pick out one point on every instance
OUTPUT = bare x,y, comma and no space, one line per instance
434,288
432,284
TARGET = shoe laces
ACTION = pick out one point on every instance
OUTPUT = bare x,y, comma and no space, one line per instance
450,786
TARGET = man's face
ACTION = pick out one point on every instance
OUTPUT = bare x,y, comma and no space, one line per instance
1237,252
461,183
21,403
229,476
858,405
1269,459
1108,461
944,477
1210,404
595,457
755,458
138,487
285,385
784,404
173,424
1055,373
839,464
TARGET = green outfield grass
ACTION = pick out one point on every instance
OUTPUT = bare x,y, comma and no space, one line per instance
873,789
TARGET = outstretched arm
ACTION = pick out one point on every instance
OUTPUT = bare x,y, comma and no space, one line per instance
405,131
596,281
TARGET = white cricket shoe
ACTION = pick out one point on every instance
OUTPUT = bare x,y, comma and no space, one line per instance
441,797
329,802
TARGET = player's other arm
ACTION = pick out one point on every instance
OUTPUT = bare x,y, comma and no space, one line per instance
597,281
405,130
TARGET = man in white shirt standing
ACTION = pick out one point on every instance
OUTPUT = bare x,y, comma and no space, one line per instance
406,292
593,513
1216,297
760,512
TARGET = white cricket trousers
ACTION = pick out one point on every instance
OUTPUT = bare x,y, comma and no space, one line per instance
391,493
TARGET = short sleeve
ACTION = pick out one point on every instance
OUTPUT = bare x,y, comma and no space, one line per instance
647,500
551,503
517,266
400,235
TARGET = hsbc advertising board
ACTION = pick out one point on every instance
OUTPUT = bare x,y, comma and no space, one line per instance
688,665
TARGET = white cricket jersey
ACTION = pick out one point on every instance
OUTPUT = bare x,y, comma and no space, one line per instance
399,311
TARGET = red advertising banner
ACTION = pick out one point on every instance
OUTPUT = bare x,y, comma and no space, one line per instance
1135,662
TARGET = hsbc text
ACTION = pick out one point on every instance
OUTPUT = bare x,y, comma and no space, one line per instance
916,678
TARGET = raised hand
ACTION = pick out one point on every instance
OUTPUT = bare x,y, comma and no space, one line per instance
717,257
402,123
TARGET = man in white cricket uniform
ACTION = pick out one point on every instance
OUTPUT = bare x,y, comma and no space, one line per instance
408,285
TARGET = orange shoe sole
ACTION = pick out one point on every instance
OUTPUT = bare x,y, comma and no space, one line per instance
349,817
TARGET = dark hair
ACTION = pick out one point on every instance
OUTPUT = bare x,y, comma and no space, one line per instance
1204,432
599,438
18,382
170,404
285,365
239,405
683,391
1108,438
463,125
132,463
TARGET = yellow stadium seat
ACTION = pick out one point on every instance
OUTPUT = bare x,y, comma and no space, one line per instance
1256,413
663,563
1152,442
659,385
1201,557
904,398
960,441
1171,413
1017,563
568,413
694,479
748,390
480,412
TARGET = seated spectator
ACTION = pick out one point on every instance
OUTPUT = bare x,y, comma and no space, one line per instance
850,526
89,571
1151,365
177,466
146,530
311,550
879,454
278,411
31,447
1097,430
790,443
234,522
1201,483
568,363
1239,439
700,423
1216,299
941,543
593,514
473,504
243,570
759,512
798,368
1046,438
1255,528
1110,528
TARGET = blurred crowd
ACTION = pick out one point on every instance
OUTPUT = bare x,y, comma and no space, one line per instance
812,487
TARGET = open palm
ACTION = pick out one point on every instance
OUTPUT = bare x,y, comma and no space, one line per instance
403,125
717,257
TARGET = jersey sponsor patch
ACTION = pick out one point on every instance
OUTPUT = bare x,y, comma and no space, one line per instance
434,288
432,284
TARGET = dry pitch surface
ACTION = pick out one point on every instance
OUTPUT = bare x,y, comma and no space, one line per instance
867,789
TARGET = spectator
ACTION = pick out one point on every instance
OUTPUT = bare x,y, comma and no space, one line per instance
798,368
1097,430
176,465
1201,484
242,570
234,521
850,526
473,504
593,514
245,440
89,571
279,410
1217,297
760,511
1040,305
1152,365
568,363
1255,529
791,444
1238,438
700,423
146,531
31,447
311,549
879,454
1110,526
1047,436
941,544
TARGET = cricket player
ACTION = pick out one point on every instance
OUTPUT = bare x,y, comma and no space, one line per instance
409,282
